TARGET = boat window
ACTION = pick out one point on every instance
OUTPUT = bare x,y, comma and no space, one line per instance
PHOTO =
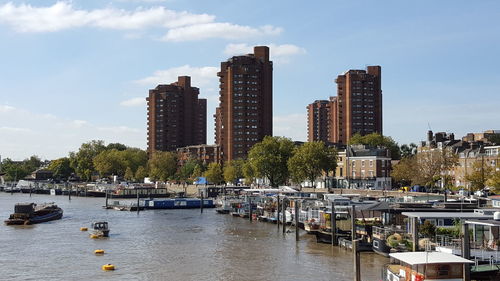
443,270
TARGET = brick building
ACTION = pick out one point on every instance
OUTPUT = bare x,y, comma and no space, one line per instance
176,117
244,115
205,153
357,108
362,166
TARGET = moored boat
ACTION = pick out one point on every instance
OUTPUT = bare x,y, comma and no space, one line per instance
30,213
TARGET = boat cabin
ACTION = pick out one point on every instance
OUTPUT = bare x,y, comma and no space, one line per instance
102,225
421,266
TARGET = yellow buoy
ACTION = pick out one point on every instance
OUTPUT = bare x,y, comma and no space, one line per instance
83,229
99,252
108,267
93,236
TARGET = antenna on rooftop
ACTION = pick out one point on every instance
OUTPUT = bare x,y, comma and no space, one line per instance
429,125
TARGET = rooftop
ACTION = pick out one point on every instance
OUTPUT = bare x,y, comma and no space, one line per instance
414,258
446,215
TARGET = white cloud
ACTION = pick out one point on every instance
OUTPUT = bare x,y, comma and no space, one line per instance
50,136
200,76
279,53
180,25
292,126
6,108
62,15
134,102
12,129
221,30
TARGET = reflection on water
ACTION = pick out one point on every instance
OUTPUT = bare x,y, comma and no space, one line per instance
165,245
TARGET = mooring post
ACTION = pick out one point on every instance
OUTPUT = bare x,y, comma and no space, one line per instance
278,212
356,254
353,223
466,251
201,202
107,198
414,231
296,220
68,188
137,191
333,225
283,211
249,208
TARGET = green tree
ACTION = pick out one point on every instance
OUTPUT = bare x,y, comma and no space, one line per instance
129,175
61,168
233,171
134,158
427,229
495,139
479,175
249,173
494,181
162,165
185,173
83,160
376,139
140,174
269,159
309,161
117,146
214,173
110,162
14,170
198,171
408,150
403,172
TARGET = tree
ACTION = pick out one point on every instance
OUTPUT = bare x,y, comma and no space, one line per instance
129,175
83,160
309,161
431,164
404,171
269,159
61,168
162,165
134,157
110,162
185,173
214,173
140,174
233,171
494,138
117,146
427,229
198,171
376,139
408,150
249,173
480,174
494,181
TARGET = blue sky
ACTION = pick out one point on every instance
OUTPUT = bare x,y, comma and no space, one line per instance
73,71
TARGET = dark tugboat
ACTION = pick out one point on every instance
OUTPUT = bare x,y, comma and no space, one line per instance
31,213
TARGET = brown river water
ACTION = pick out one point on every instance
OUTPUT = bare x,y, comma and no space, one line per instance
165,245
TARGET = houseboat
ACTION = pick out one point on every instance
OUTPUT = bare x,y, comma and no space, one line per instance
178,203
425,266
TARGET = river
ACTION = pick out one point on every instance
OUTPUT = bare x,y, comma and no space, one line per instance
165,245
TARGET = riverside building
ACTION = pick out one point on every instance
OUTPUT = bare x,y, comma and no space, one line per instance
245,111
176,117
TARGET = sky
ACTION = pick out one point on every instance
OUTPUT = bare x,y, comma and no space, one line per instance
75,71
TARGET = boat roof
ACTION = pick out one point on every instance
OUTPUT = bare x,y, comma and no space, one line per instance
285,189
446,215
414,258
484,222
